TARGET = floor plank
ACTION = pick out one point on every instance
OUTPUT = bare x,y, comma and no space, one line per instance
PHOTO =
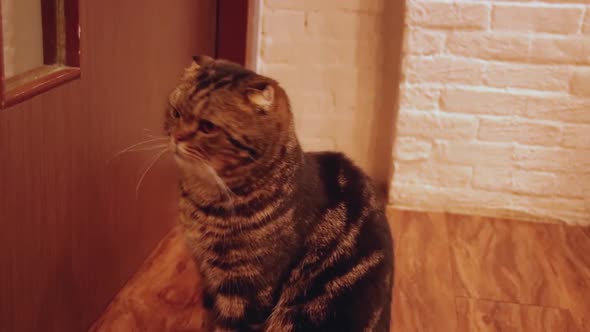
423,288
571,259
453,273
519,262
501,260
163,296
487,316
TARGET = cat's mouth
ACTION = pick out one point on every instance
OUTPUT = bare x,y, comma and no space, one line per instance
185,153
180,155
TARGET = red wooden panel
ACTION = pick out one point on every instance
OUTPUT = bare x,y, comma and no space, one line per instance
232,30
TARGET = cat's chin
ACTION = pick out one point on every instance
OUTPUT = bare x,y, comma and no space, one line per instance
188,164
193,168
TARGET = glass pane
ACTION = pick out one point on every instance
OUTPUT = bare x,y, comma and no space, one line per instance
22,36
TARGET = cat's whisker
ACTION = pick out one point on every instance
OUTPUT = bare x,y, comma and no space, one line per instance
151,134
195,153
151,164
135,146
225,192
159,146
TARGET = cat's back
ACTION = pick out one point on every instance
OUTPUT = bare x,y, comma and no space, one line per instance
348,264
341,180
342,184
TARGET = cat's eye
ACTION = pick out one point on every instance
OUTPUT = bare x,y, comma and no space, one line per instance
175,114
207,126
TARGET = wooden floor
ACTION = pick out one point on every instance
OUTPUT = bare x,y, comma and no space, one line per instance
453,273
461,273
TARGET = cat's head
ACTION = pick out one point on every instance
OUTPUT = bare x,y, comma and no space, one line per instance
226,117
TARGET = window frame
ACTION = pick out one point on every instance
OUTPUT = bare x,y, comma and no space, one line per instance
61,55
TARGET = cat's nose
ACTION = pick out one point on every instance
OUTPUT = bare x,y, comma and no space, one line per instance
183,135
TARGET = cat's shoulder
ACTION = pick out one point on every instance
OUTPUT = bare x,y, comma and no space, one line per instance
340,171
332,160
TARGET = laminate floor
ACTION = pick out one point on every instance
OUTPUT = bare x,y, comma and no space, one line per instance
477,274
453,273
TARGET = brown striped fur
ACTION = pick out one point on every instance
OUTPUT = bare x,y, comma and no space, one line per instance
285,240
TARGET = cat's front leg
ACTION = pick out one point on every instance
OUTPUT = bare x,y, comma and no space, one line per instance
230,312
224,329
281,320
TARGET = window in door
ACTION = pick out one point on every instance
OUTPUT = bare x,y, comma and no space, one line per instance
40,47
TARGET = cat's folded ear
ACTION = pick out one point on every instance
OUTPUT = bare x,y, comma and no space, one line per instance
202,60
262,95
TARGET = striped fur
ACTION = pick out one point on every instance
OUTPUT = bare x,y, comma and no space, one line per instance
285,240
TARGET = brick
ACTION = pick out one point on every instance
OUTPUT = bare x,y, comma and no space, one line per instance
328,56
278,51
412,149
423,42
507,179
315,52
283,24
489,46
473,153
343,25
509,129
567,50
435,14
462,200
418,196
572,184
561,1
358,54
538,18
480,101
559,108
310,101
340,127
326,5
586,23
533,77
432,174
318,144
288,4
480,202
291,77
570,211
576,136
428,124
497,204
580,83
442,70
533,183
492,178
551,159
357,150
351,89
419,97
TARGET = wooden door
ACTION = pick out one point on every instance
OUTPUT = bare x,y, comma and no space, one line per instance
72,230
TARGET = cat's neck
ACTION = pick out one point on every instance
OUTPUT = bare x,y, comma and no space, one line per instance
283,170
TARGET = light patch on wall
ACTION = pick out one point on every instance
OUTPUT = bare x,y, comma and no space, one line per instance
22,36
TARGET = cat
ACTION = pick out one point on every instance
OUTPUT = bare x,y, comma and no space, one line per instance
285,240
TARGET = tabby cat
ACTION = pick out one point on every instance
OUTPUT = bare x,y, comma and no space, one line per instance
285,240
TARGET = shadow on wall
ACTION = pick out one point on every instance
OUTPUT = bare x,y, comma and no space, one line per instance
387,76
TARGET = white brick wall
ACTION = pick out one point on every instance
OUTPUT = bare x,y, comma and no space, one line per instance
495,109
328,54
494,105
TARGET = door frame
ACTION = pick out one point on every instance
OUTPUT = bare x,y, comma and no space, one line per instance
238,27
